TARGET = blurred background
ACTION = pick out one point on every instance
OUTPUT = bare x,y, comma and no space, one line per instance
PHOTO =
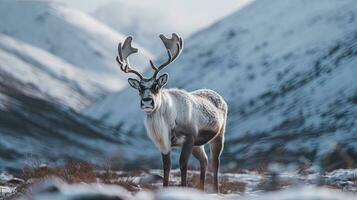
287,69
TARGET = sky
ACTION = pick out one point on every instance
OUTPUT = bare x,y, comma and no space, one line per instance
191,14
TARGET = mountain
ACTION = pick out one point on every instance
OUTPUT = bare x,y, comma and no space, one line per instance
35,131
43,75
144,25
288,72
40,95
69,34
55,61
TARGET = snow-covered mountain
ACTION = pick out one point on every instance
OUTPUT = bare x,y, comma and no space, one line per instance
33,130
54,61
46,76
39,94
69,34
143,24
288,72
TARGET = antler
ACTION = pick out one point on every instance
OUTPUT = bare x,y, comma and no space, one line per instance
173,47
125,51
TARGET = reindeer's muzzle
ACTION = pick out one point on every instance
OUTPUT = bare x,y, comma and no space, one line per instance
147,104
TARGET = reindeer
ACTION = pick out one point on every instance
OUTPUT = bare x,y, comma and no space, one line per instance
177,118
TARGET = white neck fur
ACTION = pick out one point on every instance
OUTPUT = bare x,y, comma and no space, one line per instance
158,124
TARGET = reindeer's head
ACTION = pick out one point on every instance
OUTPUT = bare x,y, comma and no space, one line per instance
149,88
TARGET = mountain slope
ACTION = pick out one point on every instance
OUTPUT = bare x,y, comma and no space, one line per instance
34,130
54,61
69,34
45,76
287,70
38,93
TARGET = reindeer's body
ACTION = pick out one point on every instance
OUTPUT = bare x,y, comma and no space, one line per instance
201,112
178,118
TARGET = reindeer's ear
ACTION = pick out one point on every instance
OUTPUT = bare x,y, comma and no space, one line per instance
134,83
162,80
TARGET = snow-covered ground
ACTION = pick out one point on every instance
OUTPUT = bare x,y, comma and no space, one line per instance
7,188
242,185
287,70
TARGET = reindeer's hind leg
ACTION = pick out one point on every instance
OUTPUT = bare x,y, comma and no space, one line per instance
199,153
216,149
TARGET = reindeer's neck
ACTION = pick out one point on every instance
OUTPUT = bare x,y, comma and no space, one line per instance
164,104
159,123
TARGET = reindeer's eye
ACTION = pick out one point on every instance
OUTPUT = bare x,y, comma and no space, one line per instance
141,89
155,88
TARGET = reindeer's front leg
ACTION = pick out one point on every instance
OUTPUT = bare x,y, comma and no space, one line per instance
185,155
166,163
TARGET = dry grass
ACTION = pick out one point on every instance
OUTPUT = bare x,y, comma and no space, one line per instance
225,186
72,172
272,184
83,172
125,180
228,187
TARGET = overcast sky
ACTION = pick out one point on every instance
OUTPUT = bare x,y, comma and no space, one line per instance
196,13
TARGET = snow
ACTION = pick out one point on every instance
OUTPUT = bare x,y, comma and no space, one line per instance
184,193
71,35
304,193
38,123
58,190
96,190
6,191
5,176
54,188
286,69
67,84
250,178
342,175
3,100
